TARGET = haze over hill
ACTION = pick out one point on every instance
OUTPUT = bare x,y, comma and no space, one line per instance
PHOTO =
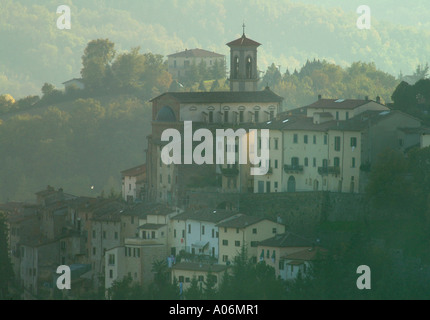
34,51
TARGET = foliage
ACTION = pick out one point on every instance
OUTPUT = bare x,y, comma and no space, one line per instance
330,81
388,184
6,272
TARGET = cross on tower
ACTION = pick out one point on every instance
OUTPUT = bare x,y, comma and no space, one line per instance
243,26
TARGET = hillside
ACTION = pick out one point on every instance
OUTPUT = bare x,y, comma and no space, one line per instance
75,145
291,32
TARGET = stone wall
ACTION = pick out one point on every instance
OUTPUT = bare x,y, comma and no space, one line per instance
298,210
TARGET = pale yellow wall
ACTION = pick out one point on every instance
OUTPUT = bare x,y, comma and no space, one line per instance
279,252
190,273
245,236
425,140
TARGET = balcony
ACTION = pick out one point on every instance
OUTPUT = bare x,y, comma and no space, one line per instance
328,170
230,172
293,168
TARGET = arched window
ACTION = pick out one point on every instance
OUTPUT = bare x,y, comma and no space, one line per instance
249,67
236,67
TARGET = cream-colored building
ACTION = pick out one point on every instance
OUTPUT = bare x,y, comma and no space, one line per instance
134,259
133,183
185,271
179,63
274,250
245,231
328,146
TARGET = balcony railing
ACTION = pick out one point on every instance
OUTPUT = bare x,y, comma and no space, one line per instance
230,172
328,170
293,168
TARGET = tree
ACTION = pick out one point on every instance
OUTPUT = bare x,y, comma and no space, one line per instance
209,289
47,89
96,61
6,271
388,186
128,68
194,292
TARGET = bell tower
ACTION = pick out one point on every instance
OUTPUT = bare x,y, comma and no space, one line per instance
243,64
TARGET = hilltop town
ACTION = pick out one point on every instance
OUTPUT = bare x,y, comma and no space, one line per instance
187,225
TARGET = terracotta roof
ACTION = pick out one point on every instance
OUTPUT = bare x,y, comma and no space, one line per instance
242,221
144,209
209,215
74,79
338,103
243,41
286,239
265,95
135,171
195,53
151,226
195,266
305,255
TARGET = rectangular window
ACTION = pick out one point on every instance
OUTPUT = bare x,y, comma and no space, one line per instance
225,242
174,233
337,143
256,116
254,244
111,259
203,229
111,274
276,164
241,116
315,139
94,251
347,115
273,230
183,233
213,233
276,184
353,142
211,116
138,252
226,116
224,258
189,228
353,163
314,162
336,161
281,265
254,231
237,230
337,115
272,115
305,139
325,139
295,138
276,143
116,235
306,162
237,243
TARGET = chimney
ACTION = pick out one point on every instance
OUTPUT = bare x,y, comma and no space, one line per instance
378,99
319,97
